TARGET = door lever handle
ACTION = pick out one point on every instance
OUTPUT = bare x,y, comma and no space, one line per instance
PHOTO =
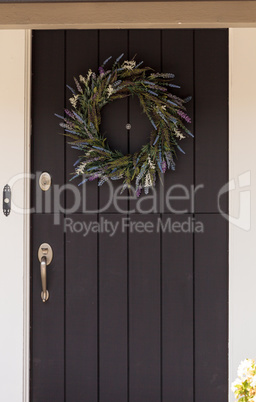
45,256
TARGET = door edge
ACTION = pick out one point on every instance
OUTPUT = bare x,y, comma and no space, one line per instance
26,215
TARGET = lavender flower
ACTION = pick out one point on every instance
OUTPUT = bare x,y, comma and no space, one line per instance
101,71
71,89
82,182
70,114
105,61
95,176
152,92
138,65
156,140
164,166
57,115
174,86
184,116
78,86
138,192
181,150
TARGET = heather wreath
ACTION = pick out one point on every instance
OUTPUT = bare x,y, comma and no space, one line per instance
165,111
244,387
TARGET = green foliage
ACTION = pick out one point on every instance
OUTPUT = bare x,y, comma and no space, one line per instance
165,111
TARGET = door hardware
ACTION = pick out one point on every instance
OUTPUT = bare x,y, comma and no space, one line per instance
7,200
45,181
45,255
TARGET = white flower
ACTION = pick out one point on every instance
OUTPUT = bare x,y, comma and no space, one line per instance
88,75
129,65
151,164
253,399
179,134
148,181
73,100
80,168
234,384
253,381
82,79
243,368
163,107
110,90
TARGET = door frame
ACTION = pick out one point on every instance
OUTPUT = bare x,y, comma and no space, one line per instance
17,16
128,14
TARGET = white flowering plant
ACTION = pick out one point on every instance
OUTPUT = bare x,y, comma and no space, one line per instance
244,387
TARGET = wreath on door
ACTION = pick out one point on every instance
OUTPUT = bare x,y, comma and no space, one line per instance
165,111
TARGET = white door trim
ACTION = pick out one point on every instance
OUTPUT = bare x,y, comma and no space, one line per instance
15,102
26,239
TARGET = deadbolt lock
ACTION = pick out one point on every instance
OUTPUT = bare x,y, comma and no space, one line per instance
45,181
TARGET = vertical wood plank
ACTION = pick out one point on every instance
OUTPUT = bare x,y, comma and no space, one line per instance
211,114
81,55
178,49
114,117
113,309
144,307
211,309
146,46
47,346
47,99
81,308
177,307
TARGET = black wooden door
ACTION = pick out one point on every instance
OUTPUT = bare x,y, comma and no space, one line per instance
137,315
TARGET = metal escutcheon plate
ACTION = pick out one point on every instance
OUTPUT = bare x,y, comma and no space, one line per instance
45,250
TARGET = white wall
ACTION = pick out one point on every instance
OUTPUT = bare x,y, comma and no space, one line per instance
242,155
13,112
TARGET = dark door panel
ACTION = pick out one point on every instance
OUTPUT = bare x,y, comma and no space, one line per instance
138,306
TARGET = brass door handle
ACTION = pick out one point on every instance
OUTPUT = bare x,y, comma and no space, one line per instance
45,256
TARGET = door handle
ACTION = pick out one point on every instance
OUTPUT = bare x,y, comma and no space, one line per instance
45,255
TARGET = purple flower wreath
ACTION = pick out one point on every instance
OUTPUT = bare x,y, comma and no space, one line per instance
165,111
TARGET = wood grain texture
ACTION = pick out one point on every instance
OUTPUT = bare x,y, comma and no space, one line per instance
113,319
144,312
211,117
109,15
47,345
96,1
79,44
177,310
48,79
81,311
211,309
173,61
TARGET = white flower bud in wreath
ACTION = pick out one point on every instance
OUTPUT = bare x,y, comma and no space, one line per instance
129,65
